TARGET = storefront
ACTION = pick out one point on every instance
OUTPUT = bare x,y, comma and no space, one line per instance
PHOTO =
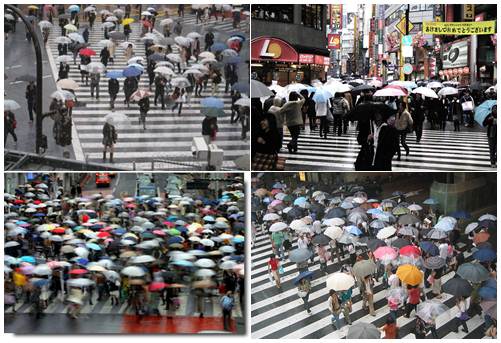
276,59
455,61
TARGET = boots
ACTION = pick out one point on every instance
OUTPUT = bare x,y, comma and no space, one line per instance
104,156
111,157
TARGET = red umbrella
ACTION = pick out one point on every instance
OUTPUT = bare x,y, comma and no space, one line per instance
87,52
481,237
157,286
37,202
18,201
58,231
130,205
275,191
78,271
103,234
410,250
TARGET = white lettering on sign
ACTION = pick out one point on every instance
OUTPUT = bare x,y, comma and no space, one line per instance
264,49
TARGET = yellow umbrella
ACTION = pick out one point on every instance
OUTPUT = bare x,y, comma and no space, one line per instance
84,231
33,7
221,219
127,21
409,274
130,234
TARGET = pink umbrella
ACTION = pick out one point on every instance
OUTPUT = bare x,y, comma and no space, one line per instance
53,264
159,232
157,286
275,203
385,253
275,191
27,269
390,91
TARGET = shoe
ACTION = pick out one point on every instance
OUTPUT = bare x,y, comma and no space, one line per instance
398,158
201,315
465,331
308,310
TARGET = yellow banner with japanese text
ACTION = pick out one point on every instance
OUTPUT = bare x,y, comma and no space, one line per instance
460,28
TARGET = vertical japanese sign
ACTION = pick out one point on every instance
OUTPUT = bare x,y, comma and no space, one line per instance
469,12
336,17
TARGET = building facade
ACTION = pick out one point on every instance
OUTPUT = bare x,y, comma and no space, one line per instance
289,43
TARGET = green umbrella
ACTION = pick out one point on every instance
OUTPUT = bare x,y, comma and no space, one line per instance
173,232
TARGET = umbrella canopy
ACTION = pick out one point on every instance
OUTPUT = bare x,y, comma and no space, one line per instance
434,262
390,91
483,111
458,287
11,105
278,227
303,275
448,91
373,244
474,272
133,271
363,268
259,90
429,248
408,219
484,255
333,232
340,281
425,91
386,232
271,217
409,274
299,255
385,253
430,309
321,239
363,331
67,84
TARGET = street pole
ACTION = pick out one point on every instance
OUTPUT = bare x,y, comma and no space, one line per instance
38,53
407,11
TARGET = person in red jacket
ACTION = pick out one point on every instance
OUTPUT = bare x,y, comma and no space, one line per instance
413,299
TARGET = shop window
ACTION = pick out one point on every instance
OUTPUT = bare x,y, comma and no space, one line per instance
312,15
277,13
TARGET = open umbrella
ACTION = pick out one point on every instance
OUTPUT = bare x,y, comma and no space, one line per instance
448,91
386,232
303,275
363,331
474,272
321,239
278,227
299,255
434,262
340,281
80,282
333,232
483,110
430,309
11,105
212,107
133,271
409,274
458,287
259,90
484,255
363,268
385,253
67,84
425,91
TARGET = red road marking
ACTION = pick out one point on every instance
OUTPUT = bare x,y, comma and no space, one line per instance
133,324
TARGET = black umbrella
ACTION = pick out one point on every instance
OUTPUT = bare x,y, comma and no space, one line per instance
366,110
400,243
156,57
429,248
337,212
321,239
295,213
408,219
64,16
373,244
457,287
363,88
27,78
489,224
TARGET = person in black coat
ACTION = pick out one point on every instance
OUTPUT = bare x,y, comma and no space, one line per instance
113,88
85,35
62,49
144,107
418,108
105,56
265,142
130,86
160,82
64,69
309,109
31,93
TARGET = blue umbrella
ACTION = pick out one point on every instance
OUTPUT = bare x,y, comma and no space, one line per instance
131,72
353,230
237,240
304,275
300,255
115,74
183,263
137,66
40,282
217,47
74,8
278,185
484,255
430,201
487,293
374,211
171,218
93,246
321,96
490,283
39,214
241,87
209,219
82,261
483,110
429,248
300,201
28,259
212,102
173,240
460,214
120,231
444,225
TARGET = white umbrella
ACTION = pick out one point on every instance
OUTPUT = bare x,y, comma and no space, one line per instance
183,41
470,227
206,54
425,91
334,222
227,249
245,102
414,207
108,24
96,268
271,217
340,282
434,84
45,24
278,227
164,71
333,232
297,224
111,18
488,216
205,263
174,58
106,42
386,232
62,40
194,35
94,67
81,282
448,91
82,252
115,118
11,105
143,259
64,59
133,271
205,273
227,265
167,21
76,37
11,244
207,242
42,269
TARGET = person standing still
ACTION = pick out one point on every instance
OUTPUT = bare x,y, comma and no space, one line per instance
227,303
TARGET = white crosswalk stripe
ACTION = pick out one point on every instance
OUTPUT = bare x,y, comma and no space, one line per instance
438,150
168,136
280,314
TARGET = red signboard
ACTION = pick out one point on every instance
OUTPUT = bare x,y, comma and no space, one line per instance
321,60
272,49
306,58
333,41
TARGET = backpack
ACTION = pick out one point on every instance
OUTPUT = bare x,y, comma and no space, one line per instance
227,303
338,107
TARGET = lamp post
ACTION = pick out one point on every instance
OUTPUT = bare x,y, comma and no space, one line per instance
38,53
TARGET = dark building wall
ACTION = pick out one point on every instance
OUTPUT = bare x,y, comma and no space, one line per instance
294,33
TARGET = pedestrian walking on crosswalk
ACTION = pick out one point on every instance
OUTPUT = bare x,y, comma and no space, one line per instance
109,140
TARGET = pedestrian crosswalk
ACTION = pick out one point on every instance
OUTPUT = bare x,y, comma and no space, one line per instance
280,314
168,136
187,307
438,150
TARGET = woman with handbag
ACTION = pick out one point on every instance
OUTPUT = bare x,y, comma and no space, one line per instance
462,315
468,105
403,124
303,291
335,309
